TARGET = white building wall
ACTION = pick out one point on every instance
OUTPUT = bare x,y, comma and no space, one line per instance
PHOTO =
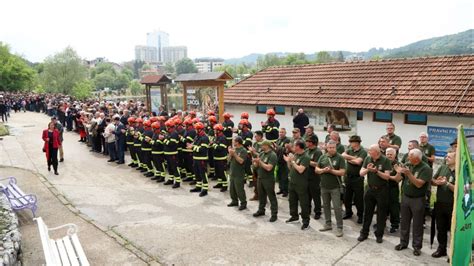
369,130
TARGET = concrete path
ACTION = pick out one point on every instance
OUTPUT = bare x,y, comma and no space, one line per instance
159,224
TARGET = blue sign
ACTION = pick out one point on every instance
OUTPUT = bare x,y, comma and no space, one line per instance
442,137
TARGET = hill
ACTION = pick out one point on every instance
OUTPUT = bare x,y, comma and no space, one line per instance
459,43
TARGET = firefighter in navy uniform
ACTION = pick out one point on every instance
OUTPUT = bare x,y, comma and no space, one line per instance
228,126
137,143
171,154
212,120
271,126
200,148
146,148
188,137
157,153
181,131
247,138
220,157
129,141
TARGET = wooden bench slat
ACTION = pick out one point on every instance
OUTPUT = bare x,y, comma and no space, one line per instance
79,251
62,253
70,251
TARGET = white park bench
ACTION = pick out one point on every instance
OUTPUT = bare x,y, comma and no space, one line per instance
18,199
61,251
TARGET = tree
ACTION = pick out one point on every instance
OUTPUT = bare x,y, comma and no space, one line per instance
106,76
169,68
136,88
83,89
185,65
15,74
340,57
62,71
323,57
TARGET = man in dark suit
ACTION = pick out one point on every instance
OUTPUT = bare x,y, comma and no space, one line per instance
120,139
300,120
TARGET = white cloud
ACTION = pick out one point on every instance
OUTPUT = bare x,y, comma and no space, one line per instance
226,29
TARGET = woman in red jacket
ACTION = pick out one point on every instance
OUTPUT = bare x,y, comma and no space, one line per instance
51,144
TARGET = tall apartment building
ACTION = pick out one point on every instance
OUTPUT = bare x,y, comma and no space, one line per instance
145,53
172,54
159,40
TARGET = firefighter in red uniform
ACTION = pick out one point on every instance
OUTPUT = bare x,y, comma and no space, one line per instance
200,156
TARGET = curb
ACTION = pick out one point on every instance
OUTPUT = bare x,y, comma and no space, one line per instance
109,231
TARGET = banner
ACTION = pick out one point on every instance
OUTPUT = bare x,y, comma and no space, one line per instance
442,137
155,95
202,100
461,225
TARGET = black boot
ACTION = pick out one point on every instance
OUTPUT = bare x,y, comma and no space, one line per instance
223,189
196,189
161,179
218,186
203,193
169,182
176,185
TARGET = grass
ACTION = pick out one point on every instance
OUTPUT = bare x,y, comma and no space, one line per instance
3,130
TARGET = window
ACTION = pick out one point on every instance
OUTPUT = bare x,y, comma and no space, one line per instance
280,110
417,119
360,115
382,117
261,109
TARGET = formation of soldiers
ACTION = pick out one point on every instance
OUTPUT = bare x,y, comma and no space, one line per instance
311,174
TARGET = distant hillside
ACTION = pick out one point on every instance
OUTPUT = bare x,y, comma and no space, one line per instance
460,43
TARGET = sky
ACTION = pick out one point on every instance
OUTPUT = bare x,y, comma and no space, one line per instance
210,28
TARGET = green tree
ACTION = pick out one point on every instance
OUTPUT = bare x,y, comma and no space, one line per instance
169,68
269,60
323,57
136,88
104,80
340,57
83,89
185,65
15,74
62,71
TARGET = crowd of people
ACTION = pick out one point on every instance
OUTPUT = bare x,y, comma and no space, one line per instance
315,175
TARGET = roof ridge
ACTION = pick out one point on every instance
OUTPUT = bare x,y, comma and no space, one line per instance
374,60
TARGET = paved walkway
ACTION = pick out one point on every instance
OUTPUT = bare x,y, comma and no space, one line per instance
177,227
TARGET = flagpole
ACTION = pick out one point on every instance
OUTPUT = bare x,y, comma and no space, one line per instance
456,184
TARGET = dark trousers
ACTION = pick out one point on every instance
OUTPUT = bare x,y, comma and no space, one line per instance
103,145
443,215
375,197
266,188
211,163
120,151
188,164
237,191
248,168
412,209
314,192
138,153
282,175
354,190
158,160
394,205
182,169
4,117
53,158
299,194
133,153
112,151
96,144
200,170
147,160
172,162
220,166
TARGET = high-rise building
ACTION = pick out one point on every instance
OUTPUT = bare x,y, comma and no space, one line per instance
172,54
145,53
158,39
208,64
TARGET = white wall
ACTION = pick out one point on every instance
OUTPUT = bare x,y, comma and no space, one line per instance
369,130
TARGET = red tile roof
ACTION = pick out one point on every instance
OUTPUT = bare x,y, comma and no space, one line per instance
441,85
